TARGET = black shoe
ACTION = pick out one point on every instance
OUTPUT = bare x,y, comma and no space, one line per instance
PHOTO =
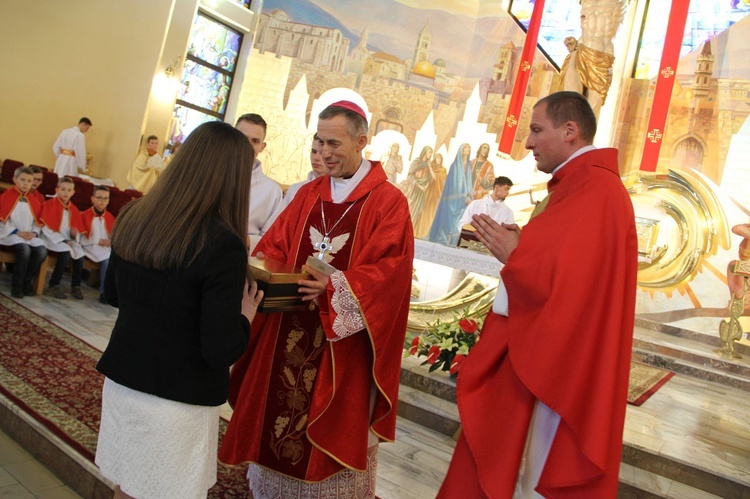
16,291
28,289
102,299
56,291
75,292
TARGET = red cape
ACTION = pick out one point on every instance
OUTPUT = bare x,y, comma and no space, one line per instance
52,215
87,217
379,275
567,342
38,196
9,199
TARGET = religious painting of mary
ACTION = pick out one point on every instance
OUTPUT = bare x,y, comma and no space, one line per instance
457,194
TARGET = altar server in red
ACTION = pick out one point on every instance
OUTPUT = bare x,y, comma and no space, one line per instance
97,226
20,228
542,396
319,389
61,233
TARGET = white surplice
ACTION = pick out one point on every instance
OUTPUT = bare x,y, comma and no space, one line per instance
55,241
90,243
21,219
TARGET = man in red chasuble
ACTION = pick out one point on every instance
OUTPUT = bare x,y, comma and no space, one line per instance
542,396
318,389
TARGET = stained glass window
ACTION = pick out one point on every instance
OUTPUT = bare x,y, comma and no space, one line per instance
207,76
706,19
561,19
244,3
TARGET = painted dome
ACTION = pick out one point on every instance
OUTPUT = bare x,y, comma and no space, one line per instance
439,62
279,14
424,68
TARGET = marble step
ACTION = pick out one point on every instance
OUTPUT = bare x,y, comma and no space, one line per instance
428,410
691,357
710,339
636,483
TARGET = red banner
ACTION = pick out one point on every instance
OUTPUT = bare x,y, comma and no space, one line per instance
522,79
670,57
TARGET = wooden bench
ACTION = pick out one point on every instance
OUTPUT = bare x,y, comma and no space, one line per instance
10,257
51,261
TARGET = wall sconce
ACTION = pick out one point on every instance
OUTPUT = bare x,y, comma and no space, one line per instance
171,68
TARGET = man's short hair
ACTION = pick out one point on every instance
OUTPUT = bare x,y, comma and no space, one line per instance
503,181
85,120
35,169
98,188
65,180
21,170
151,137
571,106
357,124
253,118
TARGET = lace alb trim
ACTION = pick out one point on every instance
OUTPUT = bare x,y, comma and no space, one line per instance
348,316
346,484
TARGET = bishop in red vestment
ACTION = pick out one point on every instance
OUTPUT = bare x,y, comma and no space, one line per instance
559,342
318,389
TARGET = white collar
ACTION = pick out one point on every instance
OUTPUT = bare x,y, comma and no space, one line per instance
580,151
342,187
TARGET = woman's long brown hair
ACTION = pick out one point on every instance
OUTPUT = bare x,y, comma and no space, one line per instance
208,181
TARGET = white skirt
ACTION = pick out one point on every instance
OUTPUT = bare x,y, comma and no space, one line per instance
156,448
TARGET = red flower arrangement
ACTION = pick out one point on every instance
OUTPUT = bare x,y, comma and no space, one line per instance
447,344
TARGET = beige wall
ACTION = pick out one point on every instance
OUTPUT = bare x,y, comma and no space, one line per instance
64,60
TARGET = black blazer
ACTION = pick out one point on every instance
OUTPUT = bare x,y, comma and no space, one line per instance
178,331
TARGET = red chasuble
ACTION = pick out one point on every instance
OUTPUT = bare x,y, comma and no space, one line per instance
9,199
566,342
52,215
88,216
303,402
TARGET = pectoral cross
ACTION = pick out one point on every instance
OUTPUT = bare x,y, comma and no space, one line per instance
322,247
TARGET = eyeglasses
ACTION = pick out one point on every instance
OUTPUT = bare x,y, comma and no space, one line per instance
101,198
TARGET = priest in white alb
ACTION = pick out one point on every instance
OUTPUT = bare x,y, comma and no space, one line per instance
70,149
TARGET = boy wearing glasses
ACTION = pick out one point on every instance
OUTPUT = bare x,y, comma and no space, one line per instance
97,224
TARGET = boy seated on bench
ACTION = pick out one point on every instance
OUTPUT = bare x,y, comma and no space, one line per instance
62,226
97,224
20,226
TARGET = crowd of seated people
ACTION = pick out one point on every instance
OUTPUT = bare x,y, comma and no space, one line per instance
45,219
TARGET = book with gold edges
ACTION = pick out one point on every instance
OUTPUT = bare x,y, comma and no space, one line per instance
278,281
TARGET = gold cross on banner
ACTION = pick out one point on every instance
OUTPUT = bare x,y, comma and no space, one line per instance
667,72
654,135
511,121
525,66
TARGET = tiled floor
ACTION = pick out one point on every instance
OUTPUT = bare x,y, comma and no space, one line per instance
22,477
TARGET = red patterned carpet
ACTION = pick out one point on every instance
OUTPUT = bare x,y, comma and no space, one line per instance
51,375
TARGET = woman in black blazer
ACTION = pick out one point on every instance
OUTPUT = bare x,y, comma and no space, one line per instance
178,275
